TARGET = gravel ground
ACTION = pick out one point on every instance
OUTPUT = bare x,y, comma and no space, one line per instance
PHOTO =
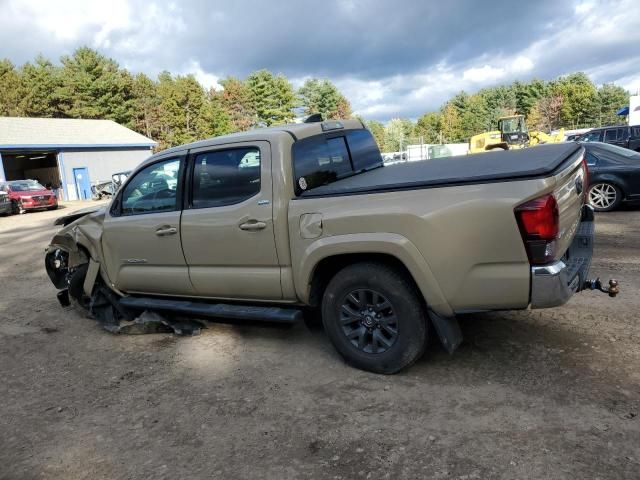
547,394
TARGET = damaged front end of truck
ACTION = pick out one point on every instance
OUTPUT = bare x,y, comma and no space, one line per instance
73,262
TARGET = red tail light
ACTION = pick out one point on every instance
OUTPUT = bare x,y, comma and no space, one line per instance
538,220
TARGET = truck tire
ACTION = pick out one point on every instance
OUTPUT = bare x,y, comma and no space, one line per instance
375,318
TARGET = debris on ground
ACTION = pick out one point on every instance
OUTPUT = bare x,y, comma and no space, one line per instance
152,322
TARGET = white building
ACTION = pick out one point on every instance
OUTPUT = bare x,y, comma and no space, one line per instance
70,154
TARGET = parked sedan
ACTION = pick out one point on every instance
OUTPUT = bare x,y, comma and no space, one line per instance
614,175
29,195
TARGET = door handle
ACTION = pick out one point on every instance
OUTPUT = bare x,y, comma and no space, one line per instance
164,231
252,226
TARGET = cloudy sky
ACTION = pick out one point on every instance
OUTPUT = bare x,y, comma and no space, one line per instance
391,58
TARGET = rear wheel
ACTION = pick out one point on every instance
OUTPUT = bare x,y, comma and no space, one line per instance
604,197
374,318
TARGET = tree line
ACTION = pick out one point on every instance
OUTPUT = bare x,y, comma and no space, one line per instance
176,109
571,101
171,109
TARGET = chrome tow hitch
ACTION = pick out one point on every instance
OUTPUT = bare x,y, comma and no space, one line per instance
596,284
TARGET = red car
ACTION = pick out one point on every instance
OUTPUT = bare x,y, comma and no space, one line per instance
29,195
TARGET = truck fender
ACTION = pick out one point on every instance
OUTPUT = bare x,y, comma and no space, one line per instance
392,244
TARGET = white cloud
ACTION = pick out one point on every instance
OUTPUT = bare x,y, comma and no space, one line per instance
584,7
483,74
67,20
522,64
206,79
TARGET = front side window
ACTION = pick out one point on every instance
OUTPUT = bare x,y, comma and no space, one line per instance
153,189
591,136
635,131
225,177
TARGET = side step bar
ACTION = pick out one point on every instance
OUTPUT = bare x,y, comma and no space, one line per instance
217,310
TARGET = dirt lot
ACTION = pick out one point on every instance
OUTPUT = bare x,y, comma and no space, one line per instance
547,394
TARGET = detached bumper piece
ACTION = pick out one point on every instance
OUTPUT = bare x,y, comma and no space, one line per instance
554,284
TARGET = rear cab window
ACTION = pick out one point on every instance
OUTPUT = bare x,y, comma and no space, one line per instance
327,158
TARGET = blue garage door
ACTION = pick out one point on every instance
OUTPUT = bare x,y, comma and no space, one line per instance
83,185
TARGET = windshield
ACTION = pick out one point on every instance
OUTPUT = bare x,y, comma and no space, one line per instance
513,125
25,186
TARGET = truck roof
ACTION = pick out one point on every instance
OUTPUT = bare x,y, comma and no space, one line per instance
296,131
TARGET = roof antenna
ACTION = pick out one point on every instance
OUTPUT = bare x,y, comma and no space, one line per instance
313,118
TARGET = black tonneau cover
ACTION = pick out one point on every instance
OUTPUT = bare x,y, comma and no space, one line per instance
538,161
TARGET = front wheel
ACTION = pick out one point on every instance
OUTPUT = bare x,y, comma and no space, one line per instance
604,197
375,318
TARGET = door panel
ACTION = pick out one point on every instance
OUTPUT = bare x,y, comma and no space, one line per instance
230,248
141,259
141,240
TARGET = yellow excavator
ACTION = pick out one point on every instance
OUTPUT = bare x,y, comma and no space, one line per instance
512,133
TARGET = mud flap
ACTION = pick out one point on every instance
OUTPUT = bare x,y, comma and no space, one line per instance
448,331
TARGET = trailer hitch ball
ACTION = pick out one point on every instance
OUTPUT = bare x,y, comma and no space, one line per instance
612,290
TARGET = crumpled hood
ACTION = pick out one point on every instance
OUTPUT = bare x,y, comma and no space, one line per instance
98,212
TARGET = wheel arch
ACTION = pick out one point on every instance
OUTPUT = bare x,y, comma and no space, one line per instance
327,256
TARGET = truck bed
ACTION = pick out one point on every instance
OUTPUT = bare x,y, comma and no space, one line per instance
539,161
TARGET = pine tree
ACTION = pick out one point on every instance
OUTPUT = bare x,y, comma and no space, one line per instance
235,99
10,89
272,97
42,82
323,97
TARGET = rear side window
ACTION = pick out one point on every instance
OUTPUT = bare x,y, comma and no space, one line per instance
635,131
611,135
623,133
326,158
225,177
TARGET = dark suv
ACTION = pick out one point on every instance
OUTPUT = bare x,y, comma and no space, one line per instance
620,135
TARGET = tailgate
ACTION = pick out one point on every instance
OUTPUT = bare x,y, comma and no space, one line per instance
570,195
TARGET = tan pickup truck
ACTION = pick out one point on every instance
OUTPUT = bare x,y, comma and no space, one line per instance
268,223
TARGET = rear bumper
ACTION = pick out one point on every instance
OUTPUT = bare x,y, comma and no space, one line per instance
554,284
